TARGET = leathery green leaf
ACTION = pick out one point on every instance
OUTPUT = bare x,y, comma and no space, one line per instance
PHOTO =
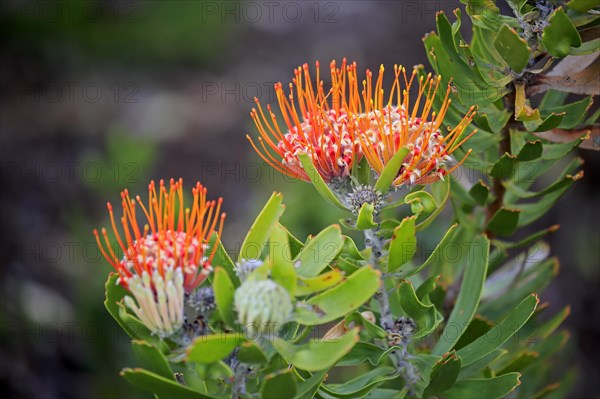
258,234
317,354
318,253
403,245
365,220
425,316
504,222
223,259
501,333
468,297
282,269
491,388
277,383
435,256
308,387
159,385
224,289
390,172
480,192
212,348
560,34
251,353
114,294
361,385
341,299
318,181
152,358
444,375
307,286
512,48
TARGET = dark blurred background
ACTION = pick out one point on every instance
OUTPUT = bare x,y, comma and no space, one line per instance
101,95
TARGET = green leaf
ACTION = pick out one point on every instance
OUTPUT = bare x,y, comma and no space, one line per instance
362,171
531,150
318,181
307,286
212,348
501,333
560,34
317,354
440,191
159,385
360,386
152,358
468,297
476,368
444,375
477,327
504,222
258,234
424,364
425,316
251,353
480,192
574,112
390,172
223,259
427,286
276,383
421,202
582,5
403,244
360,353
114,294
504,167
520,363
512,48
224,289
282,269
490,388
308,387
319,252
535,279
365,221
435,256
341,299
359,320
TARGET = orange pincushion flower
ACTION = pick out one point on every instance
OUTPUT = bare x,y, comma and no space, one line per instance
312,126
386,127
338,127
174,239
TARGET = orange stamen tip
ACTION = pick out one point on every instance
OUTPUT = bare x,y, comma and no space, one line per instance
109,206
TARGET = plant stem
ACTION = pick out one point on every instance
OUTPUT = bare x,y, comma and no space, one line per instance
399,357
239,379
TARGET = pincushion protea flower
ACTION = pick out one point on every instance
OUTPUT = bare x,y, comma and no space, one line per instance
338,127
168,256
313,126
386,127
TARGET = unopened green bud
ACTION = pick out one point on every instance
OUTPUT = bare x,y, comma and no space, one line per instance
263,307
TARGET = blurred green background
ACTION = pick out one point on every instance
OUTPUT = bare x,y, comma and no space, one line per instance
99,95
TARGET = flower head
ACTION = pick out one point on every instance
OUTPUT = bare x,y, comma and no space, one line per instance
168,256
387,126
336,128
312,126
263,306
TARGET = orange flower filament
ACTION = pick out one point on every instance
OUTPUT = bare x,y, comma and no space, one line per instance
338,127
387,126
174,237
313,126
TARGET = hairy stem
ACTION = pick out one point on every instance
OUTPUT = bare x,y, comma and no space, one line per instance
239,379
399,356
